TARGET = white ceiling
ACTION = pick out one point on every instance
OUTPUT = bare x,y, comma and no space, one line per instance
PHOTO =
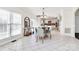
33,11
49,11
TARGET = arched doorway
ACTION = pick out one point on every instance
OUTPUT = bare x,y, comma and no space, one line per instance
27,29
77,23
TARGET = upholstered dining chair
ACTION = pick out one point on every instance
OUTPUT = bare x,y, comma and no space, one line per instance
40,34
48,32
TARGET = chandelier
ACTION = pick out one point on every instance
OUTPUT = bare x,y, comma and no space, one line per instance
43,14
43,17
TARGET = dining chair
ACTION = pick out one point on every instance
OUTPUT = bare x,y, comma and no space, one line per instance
40,34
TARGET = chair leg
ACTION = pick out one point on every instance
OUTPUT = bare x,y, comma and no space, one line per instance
50,36
37,39
42,41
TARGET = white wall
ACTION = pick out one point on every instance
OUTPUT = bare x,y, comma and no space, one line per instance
35,22
68,20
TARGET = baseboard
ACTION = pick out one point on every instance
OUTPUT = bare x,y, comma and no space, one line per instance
7,40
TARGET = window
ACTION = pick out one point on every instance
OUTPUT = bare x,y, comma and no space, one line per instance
16,24
10,24
4,24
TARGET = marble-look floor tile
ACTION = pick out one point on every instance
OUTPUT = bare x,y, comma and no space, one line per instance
57,43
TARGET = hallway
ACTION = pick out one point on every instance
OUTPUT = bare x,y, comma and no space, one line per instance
57,43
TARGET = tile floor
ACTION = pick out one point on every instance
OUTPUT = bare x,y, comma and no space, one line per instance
57,43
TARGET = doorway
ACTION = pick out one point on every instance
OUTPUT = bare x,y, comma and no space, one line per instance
77,24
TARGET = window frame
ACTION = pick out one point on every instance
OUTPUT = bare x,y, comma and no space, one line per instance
10,24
